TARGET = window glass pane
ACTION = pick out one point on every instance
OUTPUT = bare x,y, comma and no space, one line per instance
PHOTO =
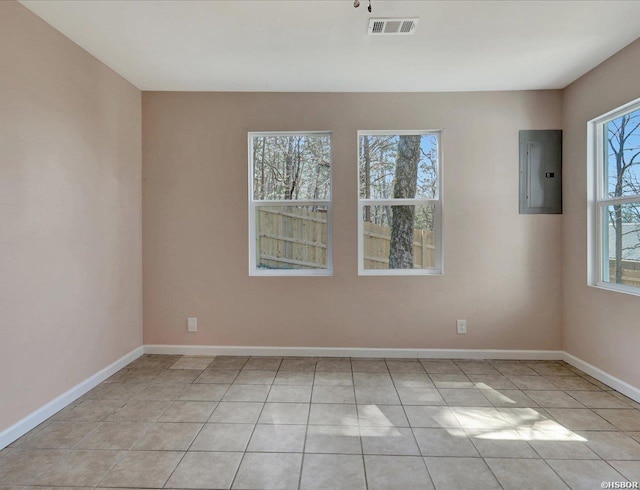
621,244
622,172
395,166
291,237
292,167
399,237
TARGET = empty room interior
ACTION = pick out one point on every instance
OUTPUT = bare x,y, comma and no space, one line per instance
319,244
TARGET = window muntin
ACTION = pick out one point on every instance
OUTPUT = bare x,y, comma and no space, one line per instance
400,210
614,261
290,211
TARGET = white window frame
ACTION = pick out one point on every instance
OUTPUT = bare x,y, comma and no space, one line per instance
254,204
438,221
598,201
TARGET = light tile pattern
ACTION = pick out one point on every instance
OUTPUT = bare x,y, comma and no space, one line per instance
334,423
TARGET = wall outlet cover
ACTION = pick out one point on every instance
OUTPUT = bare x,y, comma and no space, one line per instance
192,324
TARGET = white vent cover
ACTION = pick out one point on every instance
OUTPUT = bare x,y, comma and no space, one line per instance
384,27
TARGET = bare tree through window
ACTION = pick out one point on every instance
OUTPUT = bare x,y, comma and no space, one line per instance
622,180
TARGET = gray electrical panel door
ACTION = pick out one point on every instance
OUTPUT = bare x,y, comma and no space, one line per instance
541,171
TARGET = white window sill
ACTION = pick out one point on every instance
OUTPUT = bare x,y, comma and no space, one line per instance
400,272
291,273
618,288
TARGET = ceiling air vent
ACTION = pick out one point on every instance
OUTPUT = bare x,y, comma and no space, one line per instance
383,27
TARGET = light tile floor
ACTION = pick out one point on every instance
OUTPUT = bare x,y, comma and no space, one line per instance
271,423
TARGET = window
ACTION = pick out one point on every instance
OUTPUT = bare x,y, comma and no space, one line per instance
290,204
614,200
400,203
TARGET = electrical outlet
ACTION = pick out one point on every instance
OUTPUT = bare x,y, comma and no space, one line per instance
192,324
461,326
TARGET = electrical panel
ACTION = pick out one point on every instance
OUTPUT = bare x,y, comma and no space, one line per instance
541,171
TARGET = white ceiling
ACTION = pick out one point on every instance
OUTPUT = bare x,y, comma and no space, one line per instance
322,45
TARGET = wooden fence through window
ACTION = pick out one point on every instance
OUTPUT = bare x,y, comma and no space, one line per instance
296,237
630,272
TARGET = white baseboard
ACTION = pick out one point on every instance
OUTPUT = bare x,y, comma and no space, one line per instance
43,413
23,426
547,355
604,377
217,350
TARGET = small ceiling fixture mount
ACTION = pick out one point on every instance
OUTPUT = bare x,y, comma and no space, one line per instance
356,4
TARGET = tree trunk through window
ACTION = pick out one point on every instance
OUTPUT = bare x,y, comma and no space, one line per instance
406,178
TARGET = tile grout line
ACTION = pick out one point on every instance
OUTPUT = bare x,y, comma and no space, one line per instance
306,430
422,457
545,461
126,451
244,454
355,399
471,439
199,431
615,469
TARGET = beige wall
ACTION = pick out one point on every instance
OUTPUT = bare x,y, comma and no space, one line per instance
503,270
600,327
70,206
70,214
